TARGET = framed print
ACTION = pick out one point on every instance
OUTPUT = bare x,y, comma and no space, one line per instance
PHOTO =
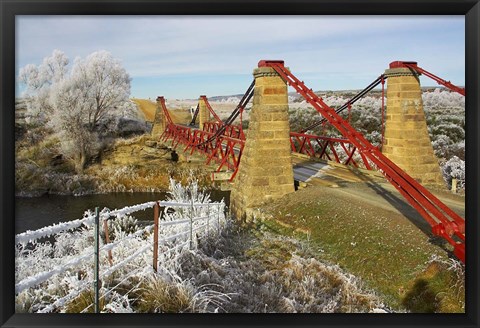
212,163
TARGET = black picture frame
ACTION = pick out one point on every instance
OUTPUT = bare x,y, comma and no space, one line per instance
10,8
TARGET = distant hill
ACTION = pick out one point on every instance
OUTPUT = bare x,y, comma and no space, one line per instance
292,95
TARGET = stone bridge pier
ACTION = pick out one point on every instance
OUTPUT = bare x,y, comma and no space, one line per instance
407,142
203,112
159,122
265,172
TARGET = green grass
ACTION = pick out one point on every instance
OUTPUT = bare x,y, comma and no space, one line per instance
387,254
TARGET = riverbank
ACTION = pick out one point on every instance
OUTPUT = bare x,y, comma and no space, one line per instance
136,164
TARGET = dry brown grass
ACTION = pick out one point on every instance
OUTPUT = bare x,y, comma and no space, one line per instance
82,301
148,109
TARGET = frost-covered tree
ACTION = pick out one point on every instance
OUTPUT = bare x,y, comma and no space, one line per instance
39,82
104,82
69,119
75,103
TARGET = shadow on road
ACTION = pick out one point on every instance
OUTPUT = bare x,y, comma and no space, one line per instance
401,205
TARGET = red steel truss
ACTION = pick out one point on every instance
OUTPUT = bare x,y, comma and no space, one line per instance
223,143
163,105
204,98
340,150
413,66
232,131
444,222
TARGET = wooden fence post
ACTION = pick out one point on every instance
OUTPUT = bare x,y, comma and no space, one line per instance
107,241
156,214
454,185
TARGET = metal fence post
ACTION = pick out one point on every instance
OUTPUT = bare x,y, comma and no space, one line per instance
96,258
156,214
208,221
191,220
218,218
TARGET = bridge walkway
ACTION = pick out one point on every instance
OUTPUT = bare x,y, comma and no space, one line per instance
369,187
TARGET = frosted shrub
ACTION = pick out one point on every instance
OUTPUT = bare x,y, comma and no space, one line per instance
122,225
443,98
54,273
454,169
126,127
186,194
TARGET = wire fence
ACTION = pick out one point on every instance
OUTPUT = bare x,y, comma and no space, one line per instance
169,234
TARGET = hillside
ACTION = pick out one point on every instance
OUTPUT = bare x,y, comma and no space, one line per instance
148,108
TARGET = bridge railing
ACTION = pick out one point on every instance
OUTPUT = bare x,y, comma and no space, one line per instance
340,150
232,131
225,150
201,220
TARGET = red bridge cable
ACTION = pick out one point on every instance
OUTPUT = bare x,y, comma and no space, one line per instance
333,117
240,107
383,111
440,81
194,118
210,108
350,102
445,222
165,110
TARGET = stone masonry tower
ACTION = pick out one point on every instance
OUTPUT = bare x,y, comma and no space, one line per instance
159,123
407,142
265,172
203,112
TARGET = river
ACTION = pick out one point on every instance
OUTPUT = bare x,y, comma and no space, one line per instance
37,212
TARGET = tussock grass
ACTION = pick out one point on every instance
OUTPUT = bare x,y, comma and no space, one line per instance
84,300
160,296
438,289
266,273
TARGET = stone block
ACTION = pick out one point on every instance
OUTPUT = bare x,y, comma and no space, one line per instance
264,181
409,94
266,167
274,90
274,126
275,99
407,142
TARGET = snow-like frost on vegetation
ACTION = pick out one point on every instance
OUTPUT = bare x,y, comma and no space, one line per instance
82,104
444,112
52,274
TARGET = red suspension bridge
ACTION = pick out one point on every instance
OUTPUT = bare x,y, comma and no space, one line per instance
223,142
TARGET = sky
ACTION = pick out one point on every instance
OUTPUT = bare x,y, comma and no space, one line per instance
186,56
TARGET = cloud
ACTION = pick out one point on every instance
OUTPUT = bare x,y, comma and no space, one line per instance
328,46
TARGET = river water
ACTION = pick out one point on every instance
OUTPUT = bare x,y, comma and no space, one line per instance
37,212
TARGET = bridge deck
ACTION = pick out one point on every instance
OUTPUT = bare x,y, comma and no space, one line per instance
309,171
367,186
